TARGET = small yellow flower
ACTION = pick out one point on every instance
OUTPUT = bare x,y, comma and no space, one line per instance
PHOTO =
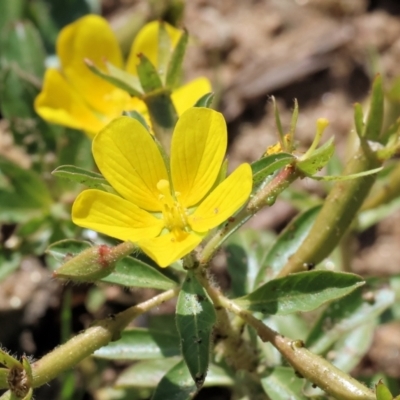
166,209
74,96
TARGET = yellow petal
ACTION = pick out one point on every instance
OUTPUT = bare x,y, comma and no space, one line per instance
91,37
114,216
187,95
197,151
223,201
165,249
146,42
129,159
60,104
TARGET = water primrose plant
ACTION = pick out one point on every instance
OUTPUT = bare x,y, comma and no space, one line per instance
164,192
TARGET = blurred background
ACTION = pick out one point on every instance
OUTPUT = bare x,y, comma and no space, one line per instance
324,53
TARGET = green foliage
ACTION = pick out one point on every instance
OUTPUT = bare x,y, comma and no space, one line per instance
195,318
304,291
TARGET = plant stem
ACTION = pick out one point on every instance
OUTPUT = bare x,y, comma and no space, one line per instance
336,215
83,345
312,367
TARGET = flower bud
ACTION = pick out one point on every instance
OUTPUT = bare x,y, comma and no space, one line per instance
91,265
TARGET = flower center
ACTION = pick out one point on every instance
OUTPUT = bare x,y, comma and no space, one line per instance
174,215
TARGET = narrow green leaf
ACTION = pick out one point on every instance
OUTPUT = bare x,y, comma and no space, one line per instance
80,175
303,291
373,125
351,348
246,252
145,374
287,244
205,100
22,45
117,77
131,272
164,51
175,63
346,177
195,318
293,121
9,262
318,159
359,119
278,120
346,314
148,75
162,110
268,165
176,384
382,392
283,384
141,344
25,197
148,374
11,11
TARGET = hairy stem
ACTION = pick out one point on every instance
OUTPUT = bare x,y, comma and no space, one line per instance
83,345
312,367
336,215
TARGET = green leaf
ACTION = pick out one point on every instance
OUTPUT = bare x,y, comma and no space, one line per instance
3,378
145,374
205,100
346,314
26,195
141,344
80,175
359,119
318,159
246,252
287,244
373,125
22,46
278,120
382,392
148,374
118,77
9,262
268,165
283,384
131,272
347,177
176,384
148,75
351,348
175,64
162,110
303,291
11,11
195,318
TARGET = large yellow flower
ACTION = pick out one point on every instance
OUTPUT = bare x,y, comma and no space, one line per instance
74,96
166,209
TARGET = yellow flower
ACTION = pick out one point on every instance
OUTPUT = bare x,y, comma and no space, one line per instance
74,96
166,209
